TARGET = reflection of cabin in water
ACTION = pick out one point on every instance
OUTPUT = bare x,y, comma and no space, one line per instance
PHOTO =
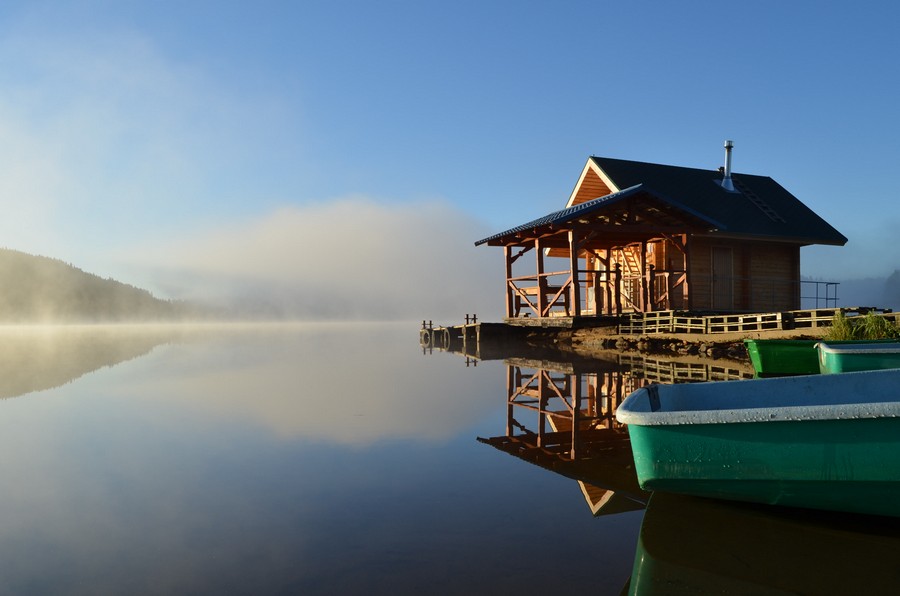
560,416
640,237
563,421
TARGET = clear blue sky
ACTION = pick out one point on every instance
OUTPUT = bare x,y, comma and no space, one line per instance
137,139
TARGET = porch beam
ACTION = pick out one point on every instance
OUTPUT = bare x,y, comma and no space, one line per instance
677,241
516,256
601,232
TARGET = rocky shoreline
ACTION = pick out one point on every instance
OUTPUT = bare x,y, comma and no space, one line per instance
734,350
586,342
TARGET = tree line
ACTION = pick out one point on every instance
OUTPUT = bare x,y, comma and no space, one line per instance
42,289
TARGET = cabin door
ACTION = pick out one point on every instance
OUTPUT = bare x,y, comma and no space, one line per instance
722,278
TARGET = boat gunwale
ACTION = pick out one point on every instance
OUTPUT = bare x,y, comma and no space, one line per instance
636,409
855,349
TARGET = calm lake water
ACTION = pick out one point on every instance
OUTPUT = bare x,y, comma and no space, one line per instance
340,459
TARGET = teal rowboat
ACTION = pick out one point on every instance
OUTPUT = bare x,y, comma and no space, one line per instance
819,441
839,358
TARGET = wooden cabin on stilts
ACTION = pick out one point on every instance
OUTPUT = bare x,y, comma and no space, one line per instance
642,237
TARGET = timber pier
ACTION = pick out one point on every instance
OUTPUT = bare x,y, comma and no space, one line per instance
643,331
480,340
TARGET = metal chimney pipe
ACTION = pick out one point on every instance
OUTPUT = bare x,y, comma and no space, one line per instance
727,184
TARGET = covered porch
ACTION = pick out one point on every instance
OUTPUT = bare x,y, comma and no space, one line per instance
599,279
626,252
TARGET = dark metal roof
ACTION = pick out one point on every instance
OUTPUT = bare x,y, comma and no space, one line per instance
581,210
761,208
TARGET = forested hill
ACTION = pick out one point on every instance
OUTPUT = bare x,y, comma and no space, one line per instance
41,289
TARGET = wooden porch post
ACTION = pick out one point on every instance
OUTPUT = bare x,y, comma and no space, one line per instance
541,280
651,298
573,263
507,256
645,306
617,287
607,287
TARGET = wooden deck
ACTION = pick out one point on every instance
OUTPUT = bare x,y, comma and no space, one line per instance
518,337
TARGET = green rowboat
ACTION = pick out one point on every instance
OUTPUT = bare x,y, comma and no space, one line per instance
819,441
780,357
839,358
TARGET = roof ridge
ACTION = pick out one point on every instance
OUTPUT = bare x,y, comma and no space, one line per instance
714,171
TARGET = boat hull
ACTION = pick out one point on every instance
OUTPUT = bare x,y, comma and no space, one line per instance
818,441
832,465
836,358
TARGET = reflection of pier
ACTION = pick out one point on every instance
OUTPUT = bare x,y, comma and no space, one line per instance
570,407
560,415
562,420
675,369
484,341
535,346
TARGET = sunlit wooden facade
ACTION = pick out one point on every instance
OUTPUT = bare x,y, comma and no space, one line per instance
639,237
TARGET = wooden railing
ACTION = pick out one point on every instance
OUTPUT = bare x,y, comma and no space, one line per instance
677,322
613,293
544,298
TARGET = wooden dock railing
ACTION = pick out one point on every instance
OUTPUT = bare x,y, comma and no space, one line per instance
670,321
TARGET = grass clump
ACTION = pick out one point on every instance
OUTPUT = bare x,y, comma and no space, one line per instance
871,326
878,327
